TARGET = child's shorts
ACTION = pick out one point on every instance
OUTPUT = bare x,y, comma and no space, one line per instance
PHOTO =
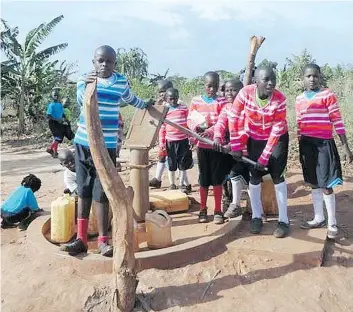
237,169
68,133
278,160
88,183
320,162
57,129
179,155
212,169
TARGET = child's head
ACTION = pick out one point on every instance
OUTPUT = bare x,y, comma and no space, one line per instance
67,159
232,88
211,83
55,94
172,97
32,182
161,88
66,102
222,84
265,79
312,77
104,61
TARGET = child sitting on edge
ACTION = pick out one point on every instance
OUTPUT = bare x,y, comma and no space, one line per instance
175,142
67,160
21,206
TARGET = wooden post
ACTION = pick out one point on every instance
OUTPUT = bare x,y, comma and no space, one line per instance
255,44
139,182
120,200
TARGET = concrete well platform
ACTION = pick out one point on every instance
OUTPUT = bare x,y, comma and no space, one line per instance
192,242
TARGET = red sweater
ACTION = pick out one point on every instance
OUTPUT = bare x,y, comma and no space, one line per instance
179,116
318,116
211,109
266,123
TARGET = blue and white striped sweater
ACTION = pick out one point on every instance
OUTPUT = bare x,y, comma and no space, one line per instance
110,93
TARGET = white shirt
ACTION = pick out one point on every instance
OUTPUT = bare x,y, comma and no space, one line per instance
70,180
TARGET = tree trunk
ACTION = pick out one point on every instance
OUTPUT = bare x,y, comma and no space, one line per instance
21,110
255,44
120,200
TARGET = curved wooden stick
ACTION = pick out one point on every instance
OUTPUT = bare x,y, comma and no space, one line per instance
255,44
120,201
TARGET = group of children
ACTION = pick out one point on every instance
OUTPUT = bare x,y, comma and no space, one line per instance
241,121
251,121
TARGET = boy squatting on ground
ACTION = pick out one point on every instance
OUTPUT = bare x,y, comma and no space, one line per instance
67,160
260,126
317,114
58,124
238,171
21,205
112,89
176,142
211,167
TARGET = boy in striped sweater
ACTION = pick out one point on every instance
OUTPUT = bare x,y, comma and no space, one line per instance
237,170
156,182
175,142
260,126
112,89
317,114
211,163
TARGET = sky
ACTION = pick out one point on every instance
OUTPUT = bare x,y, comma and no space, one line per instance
191,37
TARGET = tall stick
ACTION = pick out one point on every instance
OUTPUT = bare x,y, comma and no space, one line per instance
120,200
255,44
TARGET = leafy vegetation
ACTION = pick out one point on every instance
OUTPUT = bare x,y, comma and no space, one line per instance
29,75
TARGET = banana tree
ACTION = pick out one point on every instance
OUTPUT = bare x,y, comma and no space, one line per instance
23,60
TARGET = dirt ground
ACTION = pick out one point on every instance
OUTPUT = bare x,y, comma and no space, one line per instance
246,282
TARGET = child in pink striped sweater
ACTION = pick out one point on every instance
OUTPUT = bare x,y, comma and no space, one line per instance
317,113
175,142
211,163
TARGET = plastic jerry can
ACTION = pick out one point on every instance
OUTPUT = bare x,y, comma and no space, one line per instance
158,229
62,224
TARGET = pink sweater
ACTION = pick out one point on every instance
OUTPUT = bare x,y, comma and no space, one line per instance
211,110
318,116
179,116
266,123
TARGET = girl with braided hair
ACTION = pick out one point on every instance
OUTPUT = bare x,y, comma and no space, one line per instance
21,207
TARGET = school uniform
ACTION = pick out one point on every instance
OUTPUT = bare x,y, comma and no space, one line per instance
56,110
260,127
211,163
110,94
317,114
235,169
175,141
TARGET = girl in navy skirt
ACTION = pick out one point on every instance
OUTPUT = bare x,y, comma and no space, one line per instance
318,113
